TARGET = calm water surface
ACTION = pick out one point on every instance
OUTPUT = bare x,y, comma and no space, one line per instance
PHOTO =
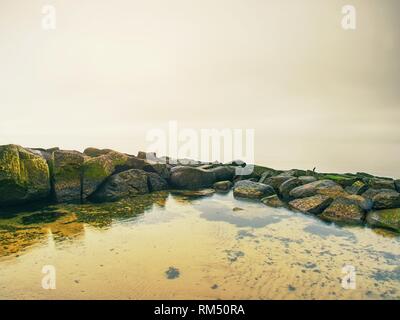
164,246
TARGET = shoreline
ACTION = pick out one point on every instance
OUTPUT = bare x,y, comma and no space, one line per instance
29,177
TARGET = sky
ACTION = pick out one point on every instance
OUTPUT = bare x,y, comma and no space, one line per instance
315,94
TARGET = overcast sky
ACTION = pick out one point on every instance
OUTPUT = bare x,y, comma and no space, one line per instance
316,95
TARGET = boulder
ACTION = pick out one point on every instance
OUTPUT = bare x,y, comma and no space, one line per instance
288,186
307,179
364,203
132,162
161,169
314,204
386,200
371,193
24,176
191,178
94,152
124,184
397,184
388,219
97,169
156,182
67,175
326,187
223,173
223,186
349,209
273,201
267,174
252,190
277,181
357,188
380,183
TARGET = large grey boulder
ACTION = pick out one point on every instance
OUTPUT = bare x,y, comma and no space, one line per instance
223,173
124,184
288,186
326,187
24,176
191,178
379,183
277,181
156,182
386,200
252,190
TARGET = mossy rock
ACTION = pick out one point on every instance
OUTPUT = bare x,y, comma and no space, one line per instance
94,152
388,219
252,190
67,174
357,188
313,205
346,209
96,170
273,201
345,180
24,176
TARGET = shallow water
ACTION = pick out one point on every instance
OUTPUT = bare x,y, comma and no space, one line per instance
164,246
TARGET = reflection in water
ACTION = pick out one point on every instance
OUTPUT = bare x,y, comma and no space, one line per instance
64,222
177,246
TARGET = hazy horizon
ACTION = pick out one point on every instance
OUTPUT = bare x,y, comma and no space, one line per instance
316,95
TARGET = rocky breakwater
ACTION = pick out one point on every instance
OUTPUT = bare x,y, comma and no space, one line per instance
342,198
31,174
